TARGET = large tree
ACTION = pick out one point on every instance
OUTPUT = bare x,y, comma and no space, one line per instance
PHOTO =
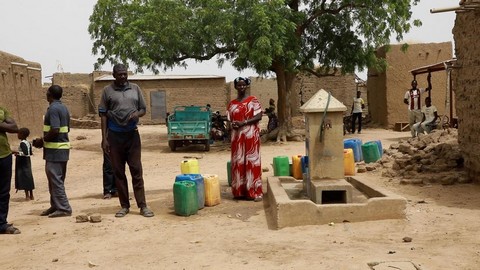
270,36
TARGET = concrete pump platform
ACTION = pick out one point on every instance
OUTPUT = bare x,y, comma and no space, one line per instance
353,200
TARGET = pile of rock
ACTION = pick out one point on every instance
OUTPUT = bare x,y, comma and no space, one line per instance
432,158
87,122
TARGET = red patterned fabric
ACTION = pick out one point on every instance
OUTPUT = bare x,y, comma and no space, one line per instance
246,166
415,95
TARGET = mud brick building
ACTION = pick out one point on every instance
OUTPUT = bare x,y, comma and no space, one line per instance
386,89
21,92
163,92
467,88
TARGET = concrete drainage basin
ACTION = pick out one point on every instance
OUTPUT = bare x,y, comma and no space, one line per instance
294,203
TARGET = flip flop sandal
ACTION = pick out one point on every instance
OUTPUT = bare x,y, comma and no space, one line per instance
123,212
146,212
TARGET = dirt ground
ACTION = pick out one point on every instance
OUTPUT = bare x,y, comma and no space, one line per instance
442,221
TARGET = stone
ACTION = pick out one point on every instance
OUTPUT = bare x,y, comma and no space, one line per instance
415,159
95,218
405,148
426,161
463,180
403,162
407,239
448,180
418,168
81,218
388,173
440,162
361,169
417,181
419,144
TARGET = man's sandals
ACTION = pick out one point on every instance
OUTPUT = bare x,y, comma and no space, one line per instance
144,211
123,212
10,230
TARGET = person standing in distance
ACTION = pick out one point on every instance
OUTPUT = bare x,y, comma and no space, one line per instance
357,110
56,152
413,100
7,125
121,105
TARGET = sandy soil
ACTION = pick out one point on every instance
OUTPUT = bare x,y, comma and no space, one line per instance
443,221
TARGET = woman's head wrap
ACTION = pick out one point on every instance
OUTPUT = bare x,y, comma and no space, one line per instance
245,79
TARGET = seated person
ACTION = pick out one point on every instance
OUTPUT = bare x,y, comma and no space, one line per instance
429,119
272,117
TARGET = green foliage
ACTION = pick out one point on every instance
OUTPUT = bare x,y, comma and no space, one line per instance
260,34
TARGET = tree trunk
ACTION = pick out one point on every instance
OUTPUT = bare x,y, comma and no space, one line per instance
285,81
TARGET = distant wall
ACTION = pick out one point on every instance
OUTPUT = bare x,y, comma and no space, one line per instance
178,92
21,92
386,89
82,91
342,88
467,88
76,92
377,98
262,88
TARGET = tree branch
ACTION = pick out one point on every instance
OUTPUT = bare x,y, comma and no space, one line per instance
322,74
204,57
322,10
293,4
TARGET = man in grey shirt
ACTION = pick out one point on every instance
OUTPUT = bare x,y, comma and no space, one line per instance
120,107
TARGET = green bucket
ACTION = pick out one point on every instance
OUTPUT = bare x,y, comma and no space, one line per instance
185,198
281,166
370,152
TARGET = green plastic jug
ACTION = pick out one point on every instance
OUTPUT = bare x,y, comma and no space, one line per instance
370,152
185,198
281,166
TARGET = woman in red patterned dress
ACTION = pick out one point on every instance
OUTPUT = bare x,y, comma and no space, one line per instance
244,114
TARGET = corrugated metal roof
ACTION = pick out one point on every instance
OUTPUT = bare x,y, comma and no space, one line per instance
159,77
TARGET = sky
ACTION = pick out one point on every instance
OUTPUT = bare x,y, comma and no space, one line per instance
54,33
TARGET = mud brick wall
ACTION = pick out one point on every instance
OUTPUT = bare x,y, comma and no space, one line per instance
467,88
66,79
21,93
76,92
262,88
386,89
179,92
184,92
342,87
